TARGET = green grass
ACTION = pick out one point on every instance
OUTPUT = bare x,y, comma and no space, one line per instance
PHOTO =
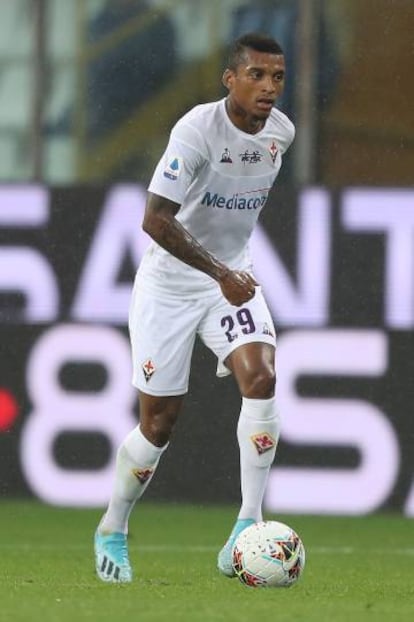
357,569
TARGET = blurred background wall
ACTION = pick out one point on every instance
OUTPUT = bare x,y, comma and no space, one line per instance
89,90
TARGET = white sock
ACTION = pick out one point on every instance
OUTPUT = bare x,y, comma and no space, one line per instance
258,434
136,462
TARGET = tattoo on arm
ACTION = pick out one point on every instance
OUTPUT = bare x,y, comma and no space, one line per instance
174,238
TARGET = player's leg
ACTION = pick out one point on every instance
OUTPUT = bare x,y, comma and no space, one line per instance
258,427
246,344
138,457
136,462
162,339
257,433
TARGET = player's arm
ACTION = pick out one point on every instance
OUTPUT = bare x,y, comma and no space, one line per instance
160,223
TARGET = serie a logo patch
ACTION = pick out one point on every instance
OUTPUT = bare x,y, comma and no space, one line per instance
263,442
173,169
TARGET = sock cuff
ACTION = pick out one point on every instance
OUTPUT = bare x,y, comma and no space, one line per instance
136,444
259,409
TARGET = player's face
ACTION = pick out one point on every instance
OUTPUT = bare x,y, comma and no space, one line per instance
256,84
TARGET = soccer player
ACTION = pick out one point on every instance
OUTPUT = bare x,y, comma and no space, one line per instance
204,200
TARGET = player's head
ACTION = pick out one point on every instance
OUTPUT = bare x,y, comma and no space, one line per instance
251,41
255,74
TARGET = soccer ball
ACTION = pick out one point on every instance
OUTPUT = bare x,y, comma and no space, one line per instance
268,554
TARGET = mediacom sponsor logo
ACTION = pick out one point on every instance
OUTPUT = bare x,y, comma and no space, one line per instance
235,202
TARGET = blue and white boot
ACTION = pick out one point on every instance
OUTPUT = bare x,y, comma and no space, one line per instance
111,558
224,559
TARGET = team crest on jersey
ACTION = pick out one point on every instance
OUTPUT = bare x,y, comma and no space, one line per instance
273,150
263,442
226,157
173,170
148,368
143,475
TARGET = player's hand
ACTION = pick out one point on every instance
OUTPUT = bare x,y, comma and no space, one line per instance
238,287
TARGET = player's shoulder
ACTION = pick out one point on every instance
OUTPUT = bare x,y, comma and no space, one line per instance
282,126
200,114
196,126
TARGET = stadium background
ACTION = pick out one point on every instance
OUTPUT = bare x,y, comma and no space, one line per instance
88,92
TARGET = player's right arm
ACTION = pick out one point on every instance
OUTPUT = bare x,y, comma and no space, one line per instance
162,226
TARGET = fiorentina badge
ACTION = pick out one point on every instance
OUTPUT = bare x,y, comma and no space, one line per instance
263,442
273,151
148,368
143,475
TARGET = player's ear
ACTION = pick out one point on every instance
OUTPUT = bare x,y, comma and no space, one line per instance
227,78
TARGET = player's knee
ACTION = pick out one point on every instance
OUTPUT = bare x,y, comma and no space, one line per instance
260,384
158,427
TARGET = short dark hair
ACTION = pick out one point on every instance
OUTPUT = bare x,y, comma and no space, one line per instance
252,40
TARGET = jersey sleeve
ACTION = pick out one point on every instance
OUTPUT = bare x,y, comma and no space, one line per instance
177,168
287,133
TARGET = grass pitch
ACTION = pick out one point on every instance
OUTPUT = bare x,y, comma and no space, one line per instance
357,569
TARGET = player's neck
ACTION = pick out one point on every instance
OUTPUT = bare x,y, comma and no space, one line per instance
244,122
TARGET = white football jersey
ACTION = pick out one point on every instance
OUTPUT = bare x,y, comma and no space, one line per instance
221,177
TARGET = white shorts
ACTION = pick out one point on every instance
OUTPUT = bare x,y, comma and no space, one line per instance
163,331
